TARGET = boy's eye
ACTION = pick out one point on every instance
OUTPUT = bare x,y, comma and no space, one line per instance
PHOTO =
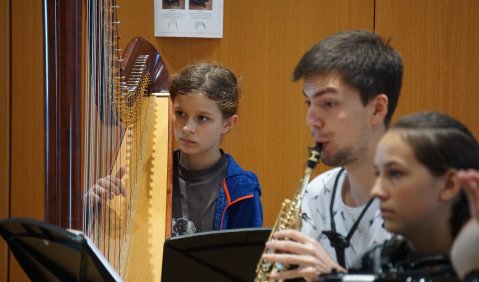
308,103
329,104
202,118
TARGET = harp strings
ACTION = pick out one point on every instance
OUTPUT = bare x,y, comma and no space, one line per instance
103,133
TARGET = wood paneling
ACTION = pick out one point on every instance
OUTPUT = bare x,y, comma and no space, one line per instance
4,127
263,41
438,41
27,115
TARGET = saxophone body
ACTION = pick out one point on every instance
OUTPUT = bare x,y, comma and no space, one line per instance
289,217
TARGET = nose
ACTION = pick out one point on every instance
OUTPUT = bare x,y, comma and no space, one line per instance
378,190
312,118
189,126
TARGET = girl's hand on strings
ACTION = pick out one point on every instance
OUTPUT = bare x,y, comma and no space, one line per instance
108,187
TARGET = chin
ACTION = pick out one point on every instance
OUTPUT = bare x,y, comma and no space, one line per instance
393,228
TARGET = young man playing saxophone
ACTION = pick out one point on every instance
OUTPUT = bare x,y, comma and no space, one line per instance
351,85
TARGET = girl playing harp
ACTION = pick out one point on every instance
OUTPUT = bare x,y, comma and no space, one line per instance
210,190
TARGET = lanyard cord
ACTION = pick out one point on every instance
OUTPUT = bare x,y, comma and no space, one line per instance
338,241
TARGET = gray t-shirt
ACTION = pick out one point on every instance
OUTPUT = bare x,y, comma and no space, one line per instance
198,192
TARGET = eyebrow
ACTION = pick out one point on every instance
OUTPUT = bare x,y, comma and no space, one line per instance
393,163
322,92
201,113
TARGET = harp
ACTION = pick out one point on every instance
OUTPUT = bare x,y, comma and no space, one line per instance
117,121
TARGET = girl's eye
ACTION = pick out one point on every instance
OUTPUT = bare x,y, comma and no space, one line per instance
203,118
394,174
308,103
180,113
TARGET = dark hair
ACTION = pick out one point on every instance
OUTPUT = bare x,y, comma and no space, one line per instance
363,59
441,142
212,80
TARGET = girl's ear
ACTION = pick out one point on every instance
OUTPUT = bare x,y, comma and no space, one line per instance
229,123
452,185
379,108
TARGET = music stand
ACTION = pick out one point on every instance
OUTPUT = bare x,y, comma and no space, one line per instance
50,253
229,255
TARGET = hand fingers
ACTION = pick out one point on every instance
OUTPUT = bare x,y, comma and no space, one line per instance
308,273
113,184
290,259
470,182
308,252
294,235
102,192
288,246
119,175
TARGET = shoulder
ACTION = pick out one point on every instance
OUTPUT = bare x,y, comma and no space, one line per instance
234,170
328,177
239,180
324,183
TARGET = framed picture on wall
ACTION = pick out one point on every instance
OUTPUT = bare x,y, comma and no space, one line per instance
189,18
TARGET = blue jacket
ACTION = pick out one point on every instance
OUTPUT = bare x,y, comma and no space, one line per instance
238,204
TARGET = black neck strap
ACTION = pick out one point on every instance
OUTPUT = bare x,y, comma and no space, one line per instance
338,241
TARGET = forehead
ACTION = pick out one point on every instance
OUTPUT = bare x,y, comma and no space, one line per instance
196,103
392,148
317,85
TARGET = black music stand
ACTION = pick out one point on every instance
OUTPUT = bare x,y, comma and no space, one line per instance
230,255
50,253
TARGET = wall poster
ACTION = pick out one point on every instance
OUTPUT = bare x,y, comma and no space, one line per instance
189,18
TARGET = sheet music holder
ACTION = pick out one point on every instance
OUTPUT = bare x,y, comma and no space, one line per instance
229,255
50,253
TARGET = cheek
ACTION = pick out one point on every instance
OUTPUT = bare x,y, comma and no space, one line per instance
416,202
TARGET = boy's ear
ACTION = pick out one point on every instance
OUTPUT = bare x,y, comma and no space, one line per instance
229,123
379,108
451,187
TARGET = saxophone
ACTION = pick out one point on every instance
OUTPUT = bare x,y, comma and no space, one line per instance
289,217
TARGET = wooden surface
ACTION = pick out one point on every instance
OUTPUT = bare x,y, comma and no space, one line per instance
4,127
438,41
27,116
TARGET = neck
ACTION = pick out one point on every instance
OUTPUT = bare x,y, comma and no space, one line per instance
361,176
198,162
357,187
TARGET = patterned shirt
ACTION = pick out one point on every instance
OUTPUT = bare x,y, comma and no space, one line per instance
316,217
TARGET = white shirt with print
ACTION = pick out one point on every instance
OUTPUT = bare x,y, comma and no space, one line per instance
316,217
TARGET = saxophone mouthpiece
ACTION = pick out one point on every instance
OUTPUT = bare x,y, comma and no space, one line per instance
314,156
